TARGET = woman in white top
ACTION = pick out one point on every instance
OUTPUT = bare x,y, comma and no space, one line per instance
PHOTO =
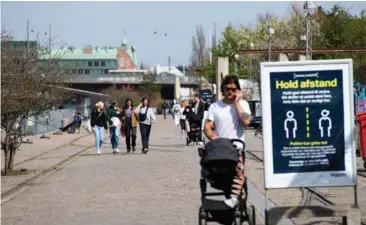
146,117
176,112
182,118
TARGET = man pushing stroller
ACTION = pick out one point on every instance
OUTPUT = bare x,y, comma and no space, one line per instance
229,117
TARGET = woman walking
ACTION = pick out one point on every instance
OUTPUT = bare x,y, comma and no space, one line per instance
146,117
98,121
176,110
129,126
115,115
182,118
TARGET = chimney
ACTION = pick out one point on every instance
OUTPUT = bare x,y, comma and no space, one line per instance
88,49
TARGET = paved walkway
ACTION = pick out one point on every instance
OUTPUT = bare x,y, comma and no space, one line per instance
158,188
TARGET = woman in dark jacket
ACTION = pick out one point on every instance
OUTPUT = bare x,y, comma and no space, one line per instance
129,120
98,121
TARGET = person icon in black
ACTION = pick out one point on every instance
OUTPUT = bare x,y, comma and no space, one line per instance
325,117
290,119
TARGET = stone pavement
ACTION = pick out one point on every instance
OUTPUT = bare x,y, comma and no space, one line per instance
160,187
41,155
292,197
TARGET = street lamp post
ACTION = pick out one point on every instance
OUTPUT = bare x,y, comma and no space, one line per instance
250,61
309,9
236,56
270,32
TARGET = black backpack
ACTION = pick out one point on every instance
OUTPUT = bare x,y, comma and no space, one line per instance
142,117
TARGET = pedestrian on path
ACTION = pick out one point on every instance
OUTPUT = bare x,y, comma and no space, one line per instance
176,111
229,117
115,115
182,118
98,121
129,118
146,117
165,108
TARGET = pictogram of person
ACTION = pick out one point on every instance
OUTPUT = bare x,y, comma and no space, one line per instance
290,118
325,117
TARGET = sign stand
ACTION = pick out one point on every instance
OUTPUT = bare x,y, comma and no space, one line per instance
312,104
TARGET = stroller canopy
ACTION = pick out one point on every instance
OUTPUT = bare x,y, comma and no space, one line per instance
220,149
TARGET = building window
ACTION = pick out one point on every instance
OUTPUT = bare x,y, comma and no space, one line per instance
81,71
96,63
102,63
121,62
87,71
90,63
106,71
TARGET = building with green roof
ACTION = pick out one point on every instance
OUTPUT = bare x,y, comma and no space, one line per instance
95,61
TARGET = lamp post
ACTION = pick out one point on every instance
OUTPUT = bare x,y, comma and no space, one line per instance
270,32
309,10
236,57
250,60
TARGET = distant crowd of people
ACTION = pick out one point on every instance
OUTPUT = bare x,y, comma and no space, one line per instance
119,122
187,114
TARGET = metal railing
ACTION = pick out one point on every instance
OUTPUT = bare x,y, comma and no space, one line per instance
47,122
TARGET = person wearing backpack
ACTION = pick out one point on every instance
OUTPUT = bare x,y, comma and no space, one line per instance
146,117
165,108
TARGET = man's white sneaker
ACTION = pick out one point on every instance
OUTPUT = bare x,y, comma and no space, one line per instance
117,150
232,202
99,152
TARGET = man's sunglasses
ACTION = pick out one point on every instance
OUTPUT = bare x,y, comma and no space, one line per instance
230,89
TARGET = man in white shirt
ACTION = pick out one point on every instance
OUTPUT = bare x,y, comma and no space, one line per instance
229,117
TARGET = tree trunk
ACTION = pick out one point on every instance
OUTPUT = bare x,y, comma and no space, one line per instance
6,159
12,151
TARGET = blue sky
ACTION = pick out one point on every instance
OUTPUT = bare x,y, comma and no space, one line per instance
103,23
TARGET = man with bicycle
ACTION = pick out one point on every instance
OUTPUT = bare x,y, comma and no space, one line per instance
229,117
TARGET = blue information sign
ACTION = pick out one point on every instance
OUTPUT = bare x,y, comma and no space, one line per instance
308,123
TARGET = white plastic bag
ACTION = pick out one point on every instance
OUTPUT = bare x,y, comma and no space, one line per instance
87,126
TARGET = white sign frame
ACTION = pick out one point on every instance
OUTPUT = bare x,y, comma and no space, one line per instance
310,179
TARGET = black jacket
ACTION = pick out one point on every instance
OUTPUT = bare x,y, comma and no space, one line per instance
201,110
99,119
192,116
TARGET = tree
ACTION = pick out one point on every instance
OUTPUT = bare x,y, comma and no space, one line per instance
199,50
28,88
118,95
340,29
148,87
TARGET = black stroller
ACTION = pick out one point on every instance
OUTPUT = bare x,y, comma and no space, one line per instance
194,134
218,162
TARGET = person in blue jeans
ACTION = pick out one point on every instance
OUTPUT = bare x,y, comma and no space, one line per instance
146,117
115,114
165,108
98,122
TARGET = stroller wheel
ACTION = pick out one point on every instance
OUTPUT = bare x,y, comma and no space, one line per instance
202,221
202,217
251,215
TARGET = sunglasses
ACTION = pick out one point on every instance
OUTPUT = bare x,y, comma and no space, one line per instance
230,89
